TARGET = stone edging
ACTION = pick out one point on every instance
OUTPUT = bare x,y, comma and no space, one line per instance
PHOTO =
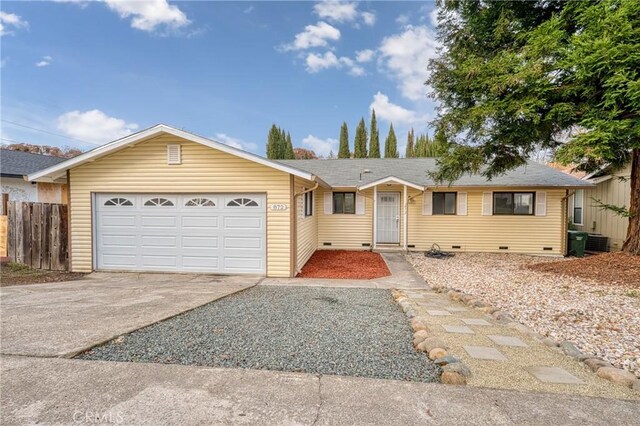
599,366
454,371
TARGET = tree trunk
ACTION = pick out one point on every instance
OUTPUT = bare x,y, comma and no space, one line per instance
632,242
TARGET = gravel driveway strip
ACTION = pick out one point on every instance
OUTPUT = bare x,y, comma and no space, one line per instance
342,331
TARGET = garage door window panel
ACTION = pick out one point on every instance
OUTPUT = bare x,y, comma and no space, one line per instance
200,202
242,202
113,202
159,202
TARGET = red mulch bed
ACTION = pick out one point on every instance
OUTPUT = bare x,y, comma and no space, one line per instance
344,264
614,268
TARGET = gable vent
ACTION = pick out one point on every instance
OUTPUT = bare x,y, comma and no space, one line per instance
173,154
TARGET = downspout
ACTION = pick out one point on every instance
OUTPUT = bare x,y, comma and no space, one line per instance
307,190
406,217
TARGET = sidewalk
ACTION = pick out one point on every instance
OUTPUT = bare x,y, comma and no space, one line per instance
62,391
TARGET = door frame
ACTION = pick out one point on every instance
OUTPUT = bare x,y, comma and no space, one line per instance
377,216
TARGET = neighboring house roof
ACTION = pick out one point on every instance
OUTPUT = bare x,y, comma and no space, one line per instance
19,163
351,173
59,170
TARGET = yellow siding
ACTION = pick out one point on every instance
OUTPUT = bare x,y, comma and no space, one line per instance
143,168
600,221
307,227
345,231
477,233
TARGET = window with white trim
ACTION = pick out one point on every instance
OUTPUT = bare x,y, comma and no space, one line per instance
344,203
578,206
308,204
444,203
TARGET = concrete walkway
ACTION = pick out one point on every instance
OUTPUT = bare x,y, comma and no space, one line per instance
402,277
62,319
500,356
62,391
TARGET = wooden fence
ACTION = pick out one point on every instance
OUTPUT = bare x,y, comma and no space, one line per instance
37,235
3,236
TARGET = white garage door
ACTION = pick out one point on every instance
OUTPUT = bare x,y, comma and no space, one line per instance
218,233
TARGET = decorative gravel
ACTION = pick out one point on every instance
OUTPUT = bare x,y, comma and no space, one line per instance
343,331
599,319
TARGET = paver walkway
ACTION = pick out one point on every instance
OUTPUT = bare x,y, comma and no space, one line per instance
500,356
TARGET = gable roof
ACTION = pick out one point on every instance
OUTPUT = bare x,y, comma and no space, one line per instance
59,170
350,173
19,163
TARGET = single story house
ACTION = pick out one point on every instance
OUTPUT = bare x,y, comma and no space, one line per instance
15,166
165,199
609,186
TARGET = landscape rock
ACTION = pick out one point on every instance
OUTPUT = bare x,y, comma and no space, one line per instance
411,313
521,328
437,353
419,337
454,295
418,324
636,385
431,343
466,298
445,360
570,349
489,309
616,375
596,363
457,367
550,342
453,378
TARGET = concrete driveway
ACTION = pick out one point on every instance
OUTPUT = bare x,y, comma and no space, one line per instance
63,319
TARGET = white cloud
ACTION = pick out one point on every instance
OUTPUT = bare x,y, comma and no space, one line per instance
433,16
94,126
406,55
316,63
388,111
338,11
235,142
364,55
10,22
314,36
148,15
249,9
322,147
45,61
403,19
343,11
369,18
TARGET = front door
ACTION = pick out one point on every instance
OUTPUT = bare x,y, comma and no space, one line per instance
388,221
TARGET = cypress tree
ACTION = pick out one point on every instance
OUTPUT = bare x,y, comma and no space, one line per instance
409,152
360,144
374,144
289,155
272,143
343,151
391,144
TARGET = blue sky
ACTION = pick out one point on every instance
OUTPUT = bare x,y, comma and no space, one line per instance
90,72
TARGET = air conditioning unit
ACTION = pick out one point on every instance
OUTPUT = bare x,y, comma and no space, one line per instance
597,242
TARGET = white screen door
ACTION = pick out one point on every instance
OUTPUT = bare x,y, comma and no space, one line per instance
388,212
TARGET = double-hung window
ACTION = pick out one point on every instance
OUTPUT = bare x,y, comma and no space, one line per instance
444,203
578,205
308,204
344,203
513,203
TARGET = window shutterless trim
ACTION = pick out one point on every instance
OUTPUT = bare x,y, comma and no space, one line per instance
308,204
513,204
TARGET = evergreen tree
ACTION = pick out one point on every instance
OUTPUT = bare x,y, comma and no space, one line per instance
360,144
289,154
343,151
391,144
409,152
514,77
273,142
374,143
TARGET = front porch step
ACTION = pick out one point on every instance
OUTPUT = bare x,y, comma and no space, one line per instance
388,248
